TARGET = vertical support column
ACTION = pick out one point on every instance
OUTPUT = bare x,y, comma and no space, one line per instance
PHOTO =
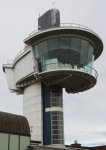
53,126
32,109
46,118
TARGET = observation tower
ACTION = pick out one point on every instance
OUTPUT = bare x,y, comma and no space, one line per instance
58,55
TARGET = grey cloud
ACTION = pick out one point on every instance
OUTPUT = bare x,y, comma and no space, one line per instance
81,131
95,144
101,133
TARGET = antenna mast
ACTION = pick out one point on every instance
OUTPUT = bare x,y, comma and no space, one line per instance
54,5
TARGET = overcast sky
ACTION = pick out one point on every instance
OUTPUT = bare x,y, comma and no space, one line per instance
84,113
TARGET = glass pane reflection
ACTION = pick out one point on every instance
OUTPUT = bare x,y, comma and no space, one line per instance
76,44
53,44
64,53
64,43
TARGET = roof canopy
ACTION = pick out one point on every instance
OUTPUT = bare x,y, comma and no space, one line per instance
14,124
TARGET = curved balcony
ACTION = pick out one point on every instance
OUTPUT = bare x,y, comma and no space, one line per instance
74,78
60,66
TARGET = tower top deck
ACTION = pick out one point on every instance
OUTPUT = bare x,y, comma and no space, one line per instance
58,53
78,31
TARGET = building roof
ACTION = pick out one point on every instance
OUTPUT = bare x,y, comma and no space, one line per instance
10,123
44,148
71,147
102,147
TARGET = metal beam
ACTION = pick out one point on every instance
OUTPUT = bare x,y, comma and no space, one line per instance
72,80
57,81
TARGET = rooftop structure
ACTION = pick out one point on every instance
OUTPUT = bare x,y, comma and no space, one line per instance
14,132
59,56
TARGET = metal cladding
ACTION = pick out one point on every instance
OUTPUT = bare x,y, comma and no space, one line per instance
49,19
15,124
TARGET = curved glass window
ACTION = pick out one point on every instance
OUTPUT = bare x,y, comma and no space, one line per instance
64,53
76,44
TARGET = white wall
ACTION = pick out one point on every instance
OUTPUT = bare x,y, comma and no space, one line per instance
11,81
32,109
10,77
24,66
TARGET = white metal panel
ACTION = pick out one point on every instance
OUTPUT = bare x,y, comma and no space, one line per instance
34,122
24,66
11,81
26,90
10,77
32,109
19,70
26,103
34,100
21,65
24,142
54,109
24,69
15,73
4,141
34,115
14,142
28,64
32,62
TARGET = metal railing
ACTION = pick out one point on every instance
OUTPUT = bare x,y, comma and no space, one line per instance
34,32
62,25
22,51
75,25
60,66
10,61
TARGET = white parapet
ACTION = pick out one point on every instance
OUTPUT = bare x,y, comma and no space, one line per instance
32,110
11,81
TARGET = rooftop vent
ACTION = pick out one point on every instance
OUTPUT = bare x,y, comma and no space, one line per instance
76,144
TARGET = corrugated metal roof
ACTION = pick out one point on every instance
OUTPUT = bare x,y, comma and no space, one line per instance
14,124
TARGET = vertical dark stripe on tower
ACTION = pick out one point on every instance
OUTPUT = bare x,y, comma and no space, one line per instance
46,119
